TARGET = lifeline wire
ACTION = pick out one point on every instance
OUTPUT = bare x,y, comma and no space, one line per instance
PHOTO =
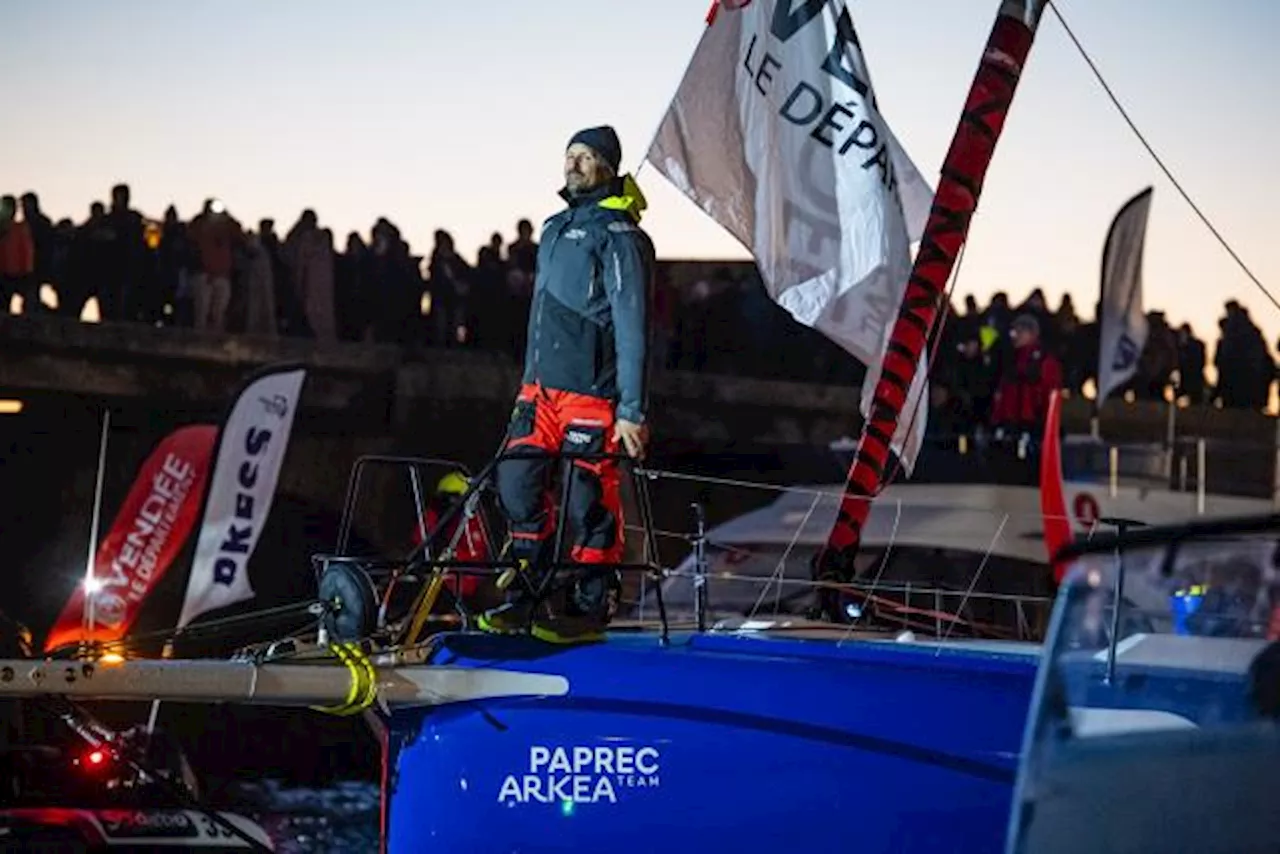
777,577
1160,163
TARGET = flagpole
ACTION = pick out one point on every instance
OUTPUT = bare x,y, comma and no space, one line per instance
710,19
90,570
955,201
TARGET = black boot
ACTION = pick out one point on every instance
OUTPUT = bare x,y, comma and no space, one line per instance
582,610
513,616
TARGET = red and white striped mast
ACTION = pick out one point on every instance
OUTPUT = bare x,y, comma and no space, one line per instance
959,187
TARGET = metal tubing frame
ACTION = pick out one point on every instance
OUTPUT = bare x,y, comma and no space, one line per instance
420,557
357,475
539,589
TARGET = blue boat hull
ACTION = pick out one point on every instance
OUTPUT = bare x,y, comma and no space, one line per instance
715,743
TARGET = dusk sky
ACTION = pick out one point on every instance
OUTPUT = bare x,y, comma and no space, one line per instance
455,115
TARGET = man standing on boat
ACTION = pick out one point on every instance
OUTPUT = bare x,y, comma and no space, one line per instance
584,389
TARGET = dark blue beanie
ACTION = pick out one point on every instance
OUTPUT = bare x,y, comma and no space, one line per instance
602,140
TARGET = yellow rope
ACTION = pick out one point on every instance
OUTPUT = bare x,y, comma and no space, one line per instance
363,691
423,607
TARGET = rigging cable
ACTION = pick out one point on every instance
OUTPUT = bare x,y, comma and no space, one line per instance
1160,163
208,627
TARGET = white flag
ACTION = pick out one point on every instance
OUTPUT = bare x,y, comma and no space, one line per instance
250,450
774,132
1123,325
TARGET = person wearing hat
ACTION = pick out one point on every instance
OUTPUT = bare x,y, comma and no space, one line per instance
469,545
584,387
1021,402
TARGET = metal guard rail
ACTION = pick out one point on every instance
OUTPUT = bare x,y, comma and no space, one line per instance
420,558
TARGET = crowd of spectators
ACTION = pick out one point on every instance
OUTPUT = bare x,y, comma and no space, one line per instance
987,356
212,273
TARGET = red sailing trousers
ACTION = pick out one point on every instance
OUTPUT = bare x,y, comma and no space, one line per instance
544,422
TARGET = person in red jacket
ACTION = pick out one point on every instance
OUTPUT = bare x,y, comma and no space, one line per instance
471,544
1021,401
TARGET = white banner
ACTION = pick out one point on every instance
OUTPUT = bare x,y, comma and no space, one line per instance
251,448
1123,324
774,132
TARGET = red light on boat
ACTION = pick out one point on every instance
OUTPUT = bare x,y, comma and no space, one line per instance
96,757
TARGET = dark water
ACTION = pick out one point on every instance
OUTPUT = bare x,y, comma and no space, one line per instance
335,820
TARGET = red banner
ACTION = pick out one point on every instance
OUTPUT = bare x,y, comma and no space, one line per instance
147,534
1053,500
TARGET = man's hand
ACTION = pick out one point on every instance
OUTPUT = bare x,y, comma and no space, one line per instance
632,436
